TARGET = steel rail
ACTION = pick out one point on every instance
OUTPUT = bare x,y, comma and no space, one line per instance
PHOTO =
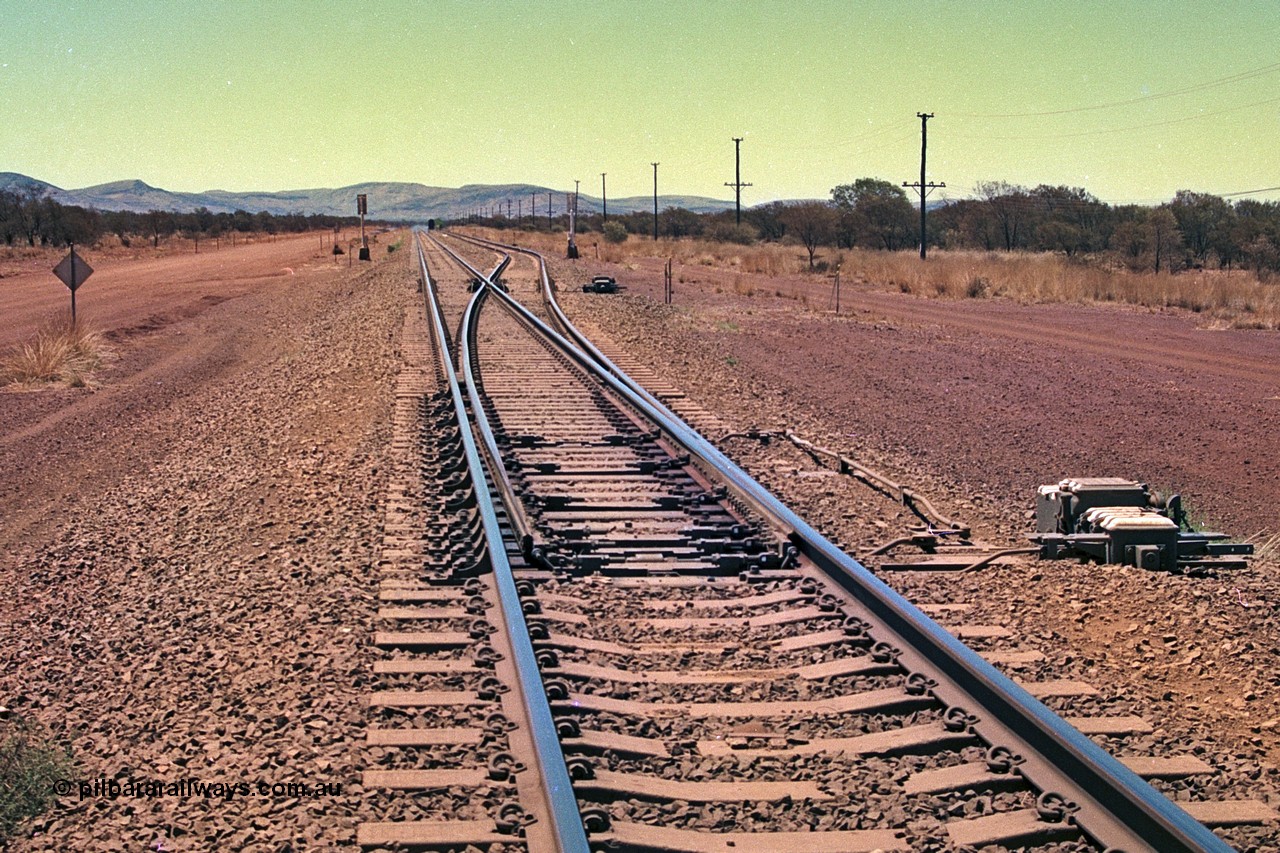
1114,806
557,789
516,514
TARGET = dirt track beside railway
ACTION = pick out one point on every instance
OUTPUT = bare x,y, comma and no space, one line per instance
188,552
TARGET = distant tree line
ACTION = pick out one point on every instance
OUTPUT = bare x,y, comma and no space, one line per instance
1192,231
34,219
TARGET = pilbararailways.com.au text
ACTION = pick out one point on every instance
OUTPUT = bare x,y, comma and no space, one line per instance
192,788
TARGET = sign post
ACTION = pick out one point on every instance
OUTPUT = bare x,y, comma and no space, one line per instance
73,271
362,207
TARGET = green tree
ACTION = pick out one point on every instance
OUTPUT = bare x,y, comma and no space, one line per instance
729,232
679,222
767,219
1163,237
159,224
1201,218
10,216
615,232
813,223
1069,219
874,212
1009,205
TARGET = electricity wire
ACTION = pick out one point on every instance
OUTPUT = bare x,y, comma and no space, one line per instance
1199,87
1126,128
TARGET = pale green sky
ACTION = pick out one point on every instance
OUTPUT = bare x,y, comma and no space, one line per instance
278,95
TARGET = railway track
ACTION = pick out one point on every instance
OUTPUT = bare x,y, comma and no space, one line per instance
599,633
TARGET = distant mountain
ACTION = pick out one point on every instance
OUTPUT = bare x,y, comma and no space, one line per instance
131,195
387,200
15,183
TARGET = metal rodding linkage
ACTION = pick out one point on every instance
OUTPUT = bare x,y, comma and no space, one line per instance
1109,802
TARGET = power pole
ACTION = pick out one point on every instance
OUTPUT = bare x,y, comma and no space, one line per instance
604,197
508,208
922,187
571,207
737,175
549,226
655,202
533,210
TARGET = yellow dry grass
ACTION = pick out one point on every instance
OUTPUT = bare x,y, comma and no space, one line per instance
770,259
1234,299
1231,299
1266,546
59,353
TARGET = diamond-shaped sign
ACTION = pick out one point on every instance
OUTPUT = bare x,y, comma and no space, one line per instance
73,270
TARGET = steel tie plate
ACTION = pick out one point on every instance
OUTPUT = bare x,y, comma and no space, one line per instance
928,737
423,737
1014,828
434,834
655,788
425,780
639,836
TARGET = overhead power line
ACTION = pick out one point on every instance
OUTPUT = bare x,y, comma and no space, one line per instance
1252,192
870,134
1124,129
1199,87
1023,198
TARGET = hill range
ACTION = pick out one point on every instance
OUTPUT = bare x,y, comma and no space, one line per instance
399,202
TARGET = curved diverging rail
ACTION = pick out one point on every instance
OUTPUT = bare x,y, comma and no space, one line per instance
655,596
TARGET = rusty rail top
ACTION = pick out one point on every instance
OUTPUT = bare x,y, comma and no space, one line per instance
1116,807
557,789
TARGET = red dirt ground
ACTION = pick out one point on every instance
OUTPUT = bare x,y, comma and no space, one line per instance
993,394
136,290
224,476
186,545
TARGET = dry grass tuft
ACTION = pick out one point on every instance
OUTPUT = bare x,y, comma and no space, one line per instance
1266,546
60,353
763,258
1236,299
29,766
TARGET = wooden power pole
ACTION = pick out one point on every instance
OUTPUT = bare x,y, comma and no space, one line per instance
655,202
737,176
922,187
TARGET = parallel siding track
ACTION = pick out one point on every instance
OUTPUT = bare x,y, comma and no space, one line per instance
627,644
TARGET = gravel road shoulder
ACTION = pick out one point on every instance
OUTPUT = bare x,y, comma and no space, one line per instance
200,610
